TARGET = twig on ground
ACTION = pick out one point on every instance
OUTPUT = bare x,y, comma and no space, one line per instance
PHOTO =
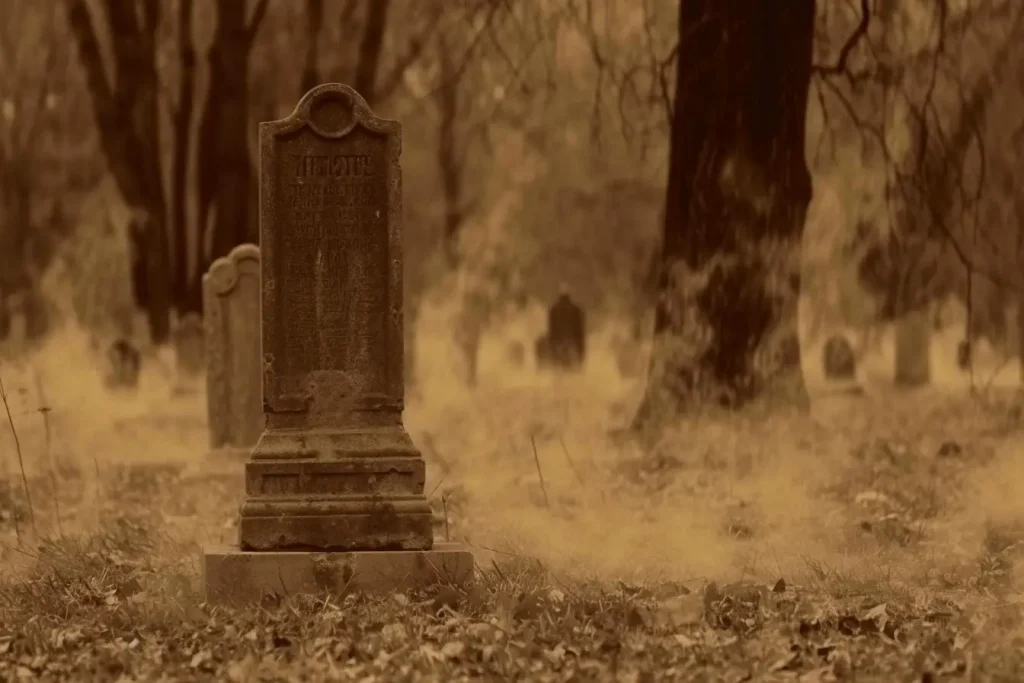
540,474
21,461
44,411
568,459
572,466
444,507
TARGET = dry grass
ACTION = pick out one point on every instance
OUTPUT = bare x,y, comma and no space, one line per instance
876,538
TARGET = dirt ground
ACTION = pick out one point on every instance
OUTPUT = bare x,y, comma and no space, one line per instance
877,538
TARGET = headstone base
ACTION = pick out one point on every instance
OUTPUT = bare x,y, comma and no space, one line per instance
335,490
230,454
235,577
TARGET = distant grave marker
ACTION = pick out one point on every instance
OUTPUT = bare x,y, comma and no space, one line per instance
566,335
913,334
189,343
231,304
838,359
124,362
334,488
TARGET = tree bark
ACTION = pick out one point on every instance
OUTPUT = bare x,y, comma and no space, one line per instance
738,191
370,49
224,177
126,112
311,64
181,145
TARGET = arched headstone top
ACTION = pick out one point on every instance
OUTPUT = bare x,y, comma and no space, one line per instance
223,273
332,111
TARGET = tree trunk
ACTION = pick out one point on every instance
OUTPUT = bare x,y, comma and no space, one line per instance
738,191
311,63
126,112
224,175
370,49
181,128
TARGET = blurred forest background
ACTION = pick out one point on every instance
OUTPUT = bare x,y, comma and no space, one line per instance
545,142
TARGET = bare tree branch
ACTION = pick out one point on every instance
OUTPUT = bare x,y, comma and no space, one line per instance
386,85
840,67
254,22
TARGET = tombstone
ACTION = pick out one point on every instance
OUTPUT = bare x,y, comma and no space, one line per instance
231,317
334,488
566,333
913,349
838,359
542,351
516,352
124,363
189,343
5,318
963,354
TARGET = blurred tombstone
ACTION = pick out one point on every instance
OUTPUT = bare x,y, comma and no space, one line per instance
913,348
566,333
124,365
963,354
36,313
838,358
542,352
5,318
189,345
231,304
516,354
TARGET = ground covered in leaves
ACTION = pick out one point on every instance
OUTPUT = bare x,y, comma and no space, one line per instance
878,539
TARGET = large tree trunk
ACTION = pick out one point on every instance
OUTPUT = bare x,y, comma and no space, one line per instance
125,108
181,121
225,170
738,191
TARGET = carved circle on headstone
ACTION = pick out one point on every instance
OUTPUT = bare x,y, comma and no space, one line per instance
332,115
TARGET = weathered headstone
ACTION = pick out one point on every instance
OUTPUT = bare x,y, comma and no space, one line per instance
334,489
231,304
5,317
838,359
542,351
963,354
913,349
124,363
189,345
516,353
566,333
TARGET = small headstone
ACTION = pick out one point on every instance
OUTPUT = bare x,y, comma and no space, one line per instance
838,358
542,351
516,354
334,488
124,364
913,349
189,345
5,318
963,354
566,333
234,369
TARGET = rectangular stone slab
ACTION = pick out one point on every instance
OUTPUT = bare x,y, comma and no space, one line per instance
236,578
334,468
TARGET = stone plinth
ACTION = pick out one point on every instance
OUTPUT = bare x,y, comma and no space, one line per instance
236,577
325,489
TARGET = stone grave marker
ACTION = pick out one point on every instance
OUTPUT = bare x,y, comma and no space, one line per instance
566,333
964,351
838,359
189,343
123,364
234,391
912,359
334,488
